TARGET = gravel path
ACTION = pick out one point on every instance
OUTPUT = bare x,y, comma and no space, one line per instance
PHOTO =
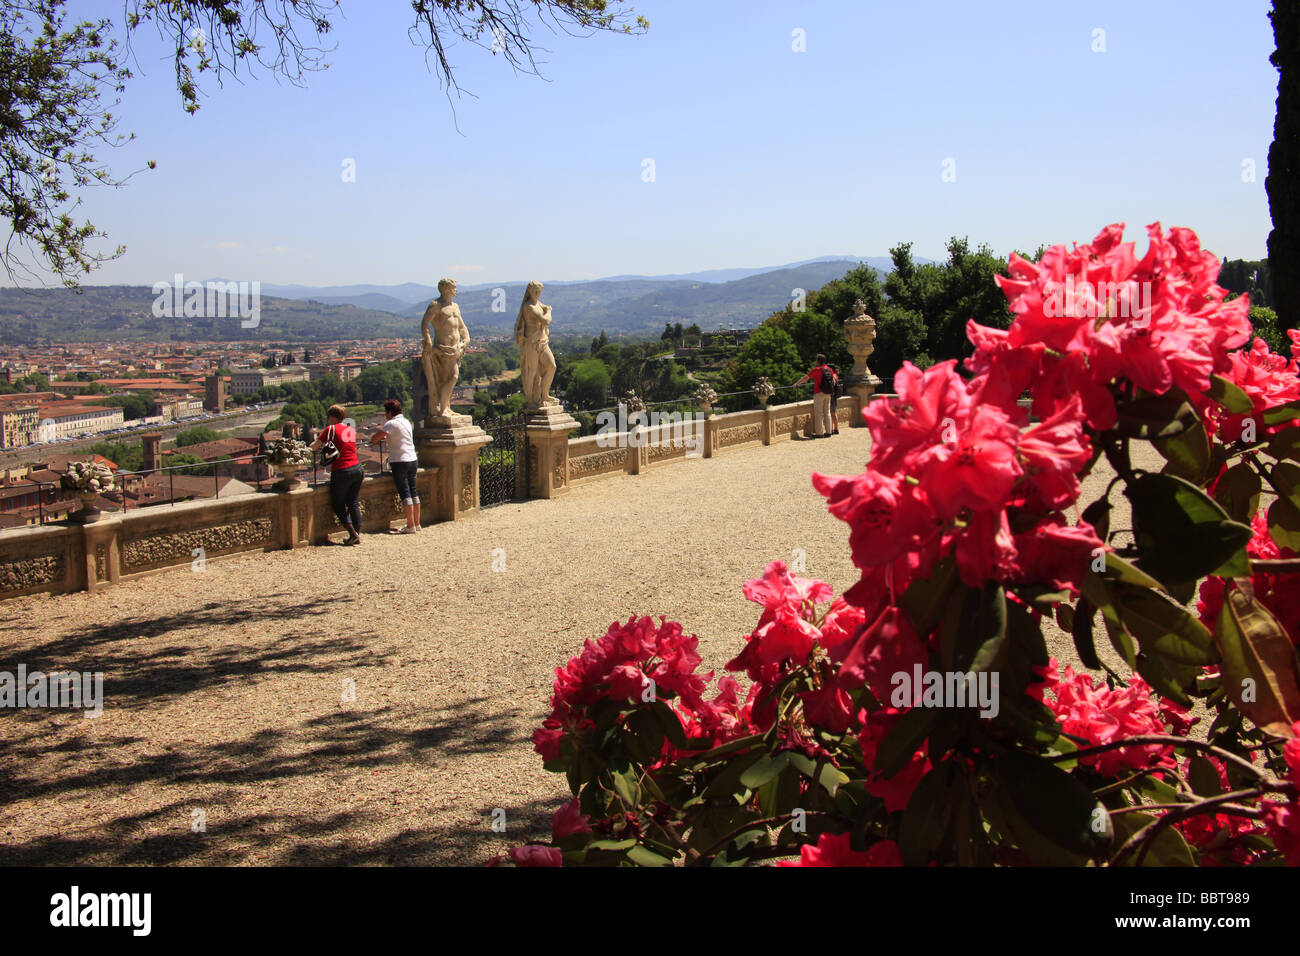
225,689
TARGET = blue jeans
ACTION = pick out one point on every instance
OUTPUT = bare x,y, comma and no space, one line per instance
345,495
404,473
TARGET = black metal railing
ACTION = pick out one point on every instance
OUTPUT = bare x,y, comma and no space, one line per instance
199,469
42,496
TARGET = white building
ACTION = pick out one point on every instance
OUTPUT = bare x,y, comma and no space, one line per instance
70,419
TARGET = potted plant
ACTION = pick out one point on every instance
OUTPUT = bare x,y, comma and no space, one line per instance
87,480
288,456
764,389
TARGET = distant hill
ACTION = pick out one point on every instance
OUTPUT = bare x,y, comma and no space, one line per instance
124,314
620,304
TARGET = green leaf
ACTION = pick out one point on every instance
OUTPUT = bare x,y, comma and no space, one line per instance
626,787
1128,572
1168,848
670,724
1285,444
1169,678
1238,492
1156,416
1187,454
643,857
644,738
1182,533
1097,514
1230,395
764,769
1284,513
1056,805
904,740
925,819
1282,413
974,634
1083,616
611,844
925,599
1164,628
1203,777
1260,671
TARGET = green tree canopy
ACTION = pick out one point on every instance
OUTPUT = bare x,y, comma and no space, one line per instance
589,381
769,352
196,435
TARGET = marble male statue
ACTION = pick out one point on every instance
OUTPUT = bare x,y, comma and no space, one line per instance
445,339
536,361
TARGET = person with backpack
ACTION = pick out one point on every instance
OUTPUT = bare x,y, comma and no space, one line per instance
346,472
836,389
823,386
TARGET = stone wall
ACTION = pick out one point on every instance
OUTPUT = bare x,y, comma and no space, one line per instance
69,557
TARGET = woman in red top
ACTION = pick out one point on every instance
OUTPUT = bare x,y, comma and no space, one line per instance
346,473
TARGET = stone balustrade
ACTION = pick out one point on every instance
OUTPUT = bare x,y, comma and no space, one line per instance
63,557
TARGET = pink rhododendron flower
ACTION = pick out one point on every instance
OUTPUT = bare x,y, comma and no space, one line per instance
886,647
785,630
1278,593
975,466
619,666
1283,822
1100,715
915,420
569,820
896,791
834,849
533,855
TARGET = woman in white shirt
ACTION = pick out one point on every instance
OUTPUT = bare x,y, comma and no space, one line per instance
396,432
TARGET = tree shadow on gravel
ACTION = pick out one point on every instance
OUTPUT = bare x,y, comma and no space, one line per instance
286,839
335,744
469,844
137,671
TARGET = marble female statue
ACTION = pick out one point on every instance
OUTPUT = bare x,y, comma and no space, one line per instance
536,361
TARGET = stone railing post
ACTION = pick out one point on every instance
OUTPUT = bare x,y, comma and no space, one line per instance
452,446
101,565
547,431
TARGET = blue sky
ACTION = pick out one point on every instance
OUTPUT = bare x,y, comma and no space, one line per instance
762,155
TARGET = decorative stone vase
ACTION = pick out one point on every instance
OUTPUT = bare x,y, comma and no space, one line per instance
87,513
288,476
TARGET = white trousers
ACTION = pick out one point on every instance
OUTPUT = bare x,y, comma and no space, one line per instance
821,414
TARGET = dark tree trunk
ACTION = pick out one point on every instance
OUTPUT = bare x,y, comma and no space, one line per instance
1283,182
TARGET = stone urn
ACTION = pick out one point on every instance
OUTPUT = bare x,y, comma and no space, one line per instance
763,391
288,456
88,513
704,397
288,476
860,334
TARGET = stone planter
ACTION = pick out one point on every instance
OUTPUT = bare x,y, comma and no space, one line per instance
288,477
87,513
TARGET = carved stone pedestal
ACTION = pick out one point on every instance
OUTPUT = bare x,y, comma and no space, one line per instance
452,445
547,429
861,390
